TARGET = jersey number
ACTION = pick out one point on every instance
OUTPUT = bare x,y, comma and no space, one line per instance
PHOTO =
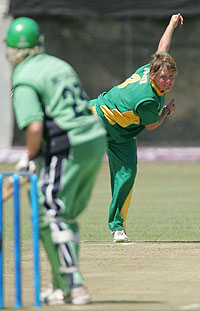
77,95
134,78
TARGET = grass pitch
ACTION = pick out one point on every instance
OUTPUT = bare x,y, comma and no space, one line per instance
158,271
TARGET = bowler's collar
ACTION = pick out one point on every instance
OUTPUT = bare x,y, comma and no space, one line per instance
157,89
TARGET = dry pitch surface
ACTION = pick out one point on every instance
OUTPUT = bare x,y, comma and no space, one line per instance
134,276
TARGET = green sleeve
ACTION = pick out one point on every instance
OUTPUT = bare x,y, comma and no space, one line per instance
148,112
27,106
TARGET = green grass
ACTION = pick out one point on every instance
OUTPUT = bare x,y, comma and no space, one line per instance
164,207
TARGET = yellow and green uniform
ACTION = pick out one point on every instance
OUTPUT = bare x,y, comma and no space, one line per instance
47,89
125,110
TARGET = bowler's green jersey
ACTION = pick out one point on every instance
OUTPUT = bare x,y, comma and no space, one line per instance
128,107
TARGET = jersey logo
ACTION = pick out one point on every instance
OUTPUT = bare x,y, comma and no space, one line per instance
145,76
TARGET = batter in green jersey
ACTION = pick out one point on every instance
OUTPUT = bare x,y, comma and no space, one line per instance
128,109
66,142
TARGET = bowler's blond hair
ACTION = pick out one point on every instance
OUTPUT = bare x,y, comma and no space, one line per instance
159,60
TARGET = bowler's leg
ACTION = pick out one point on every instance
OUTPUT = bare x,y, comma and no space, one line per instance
123,169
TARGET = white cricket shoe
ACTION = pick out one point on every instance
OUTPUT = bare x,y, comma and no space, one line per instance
46,293
119,236
53,297
80,295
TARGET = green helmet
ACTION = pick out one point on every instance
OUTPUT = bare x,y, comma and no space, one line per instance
23,33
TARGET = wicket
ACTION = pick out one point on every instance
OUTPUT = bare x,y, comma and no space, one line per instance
17,248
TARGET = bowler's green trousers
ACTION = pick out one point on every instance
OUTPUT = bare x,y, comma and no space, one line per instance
123,169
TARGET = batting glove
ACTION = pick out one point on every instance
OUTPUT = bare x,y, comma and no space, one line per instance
25,165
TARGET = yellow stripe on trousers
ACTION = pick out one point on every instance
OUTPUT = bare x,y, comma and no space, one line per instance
125,208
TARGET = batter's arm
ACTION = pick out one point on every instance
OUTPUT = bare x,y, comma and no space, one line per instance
165,40
168,109
34,133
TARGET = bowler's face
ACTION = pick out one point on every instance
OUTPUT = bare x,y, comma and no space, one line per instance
164,79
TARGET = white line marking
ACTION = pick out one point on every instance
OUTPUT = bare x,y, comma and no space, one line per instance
191,307
126,243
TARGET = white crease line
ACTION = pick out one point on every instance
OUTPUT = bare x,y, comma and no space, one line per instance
191,307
